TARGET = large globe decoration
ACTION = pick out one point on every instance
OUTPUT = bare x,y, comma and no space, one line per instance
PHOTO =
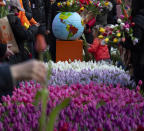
68,26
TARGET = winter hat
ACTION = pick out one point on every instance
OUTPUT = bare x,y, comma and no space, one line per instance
16,3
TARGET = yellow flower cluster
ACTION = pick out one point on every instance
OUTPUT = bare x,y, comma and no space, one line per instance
106,3
64,3
102,30
82,9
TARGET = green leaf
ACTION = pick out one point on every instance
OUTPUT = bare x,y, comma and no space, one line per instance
54,113
37,98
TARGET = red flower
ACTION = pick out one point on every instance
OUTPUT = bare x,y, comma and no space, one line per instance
132,24
130,18
30,55
99,129
65,127
84,1
105,34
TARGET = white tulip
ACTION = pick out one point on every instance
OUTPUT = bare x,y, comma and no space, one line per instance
119,21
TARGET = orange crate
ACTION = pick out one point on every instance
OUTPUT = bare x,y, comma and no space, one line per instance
66,50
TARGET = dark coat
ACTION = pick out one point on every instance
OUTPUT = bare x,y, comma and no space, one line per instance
38,10
28,10
3,48
21,35
137,51
6,81
112,16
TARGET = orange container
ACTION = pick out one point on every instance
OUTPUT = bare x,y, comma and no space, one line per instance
66,50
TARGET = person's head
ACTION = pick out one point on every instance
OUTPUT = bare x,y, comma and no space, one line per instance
15,6
95,31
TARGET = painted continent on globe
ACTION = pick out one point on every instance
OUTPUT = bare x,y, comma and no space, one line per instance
68,26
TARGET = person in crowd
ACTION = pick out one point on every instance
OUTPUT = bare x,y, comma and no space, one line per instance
21,34
43,12
112,15
100,51
28,12
137,49
27,20
90,22
24,71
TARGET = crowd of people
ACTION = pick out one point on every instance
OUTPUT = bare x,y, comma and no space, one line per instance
31,23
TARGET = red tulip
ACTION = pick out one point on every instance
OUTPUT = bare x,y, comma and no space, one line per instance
30,55
105,34
130,18
132,24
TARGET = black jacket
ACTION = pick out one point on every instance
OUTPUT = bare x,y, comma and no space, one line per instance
3,48
27,8
44,12
111,19
21,35
38,10
6,81
137,51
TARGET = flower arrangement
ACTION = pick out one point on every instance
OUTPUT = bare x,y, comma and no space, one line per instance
114,34
93,106
100,7
70,6
102,74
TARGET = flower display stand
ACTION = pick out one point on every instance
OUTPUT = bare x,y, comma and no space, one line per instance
69,50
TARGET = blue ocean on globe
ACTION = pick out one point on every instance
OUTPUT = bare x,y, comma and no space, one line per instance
68,26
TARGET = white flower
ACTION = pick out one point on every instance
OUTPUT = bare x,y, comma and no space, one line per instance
64,3
110,6
116,25
112,26
122,24
127,29
71,4
119,21
135,41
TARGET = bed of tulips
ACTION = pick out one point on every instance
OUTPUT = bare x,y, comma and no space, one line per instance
96,104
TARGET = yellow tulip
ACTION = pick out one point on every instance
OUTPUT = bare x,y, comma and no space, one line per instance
115,40
106,40
90,2
118,34
58,4
100,36
26,25
106,3
102,30
68,3
82,8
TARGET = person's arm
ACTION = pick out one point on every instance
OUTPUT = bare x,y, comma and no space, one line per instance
21,32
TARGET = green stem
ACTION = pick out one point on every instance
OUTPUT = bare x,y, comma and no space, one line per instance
44,99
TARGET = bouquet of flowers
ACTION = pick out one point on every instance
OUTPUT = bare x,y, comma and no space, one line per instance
70,6
97,7
114,34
